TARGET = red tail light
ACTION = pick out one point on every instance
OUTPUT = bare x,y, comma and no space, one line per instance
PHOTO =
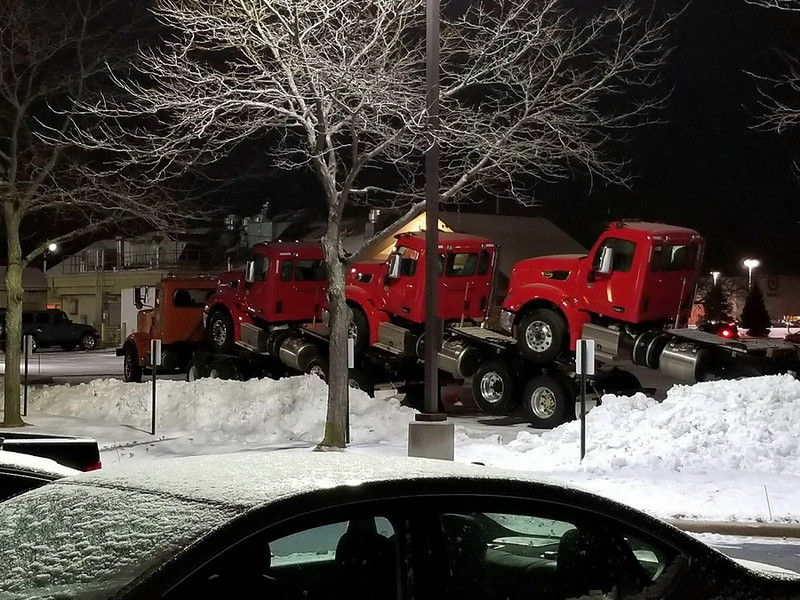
94,467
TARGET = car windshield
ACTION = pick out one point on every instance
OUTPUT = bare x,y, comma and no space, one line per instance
78,541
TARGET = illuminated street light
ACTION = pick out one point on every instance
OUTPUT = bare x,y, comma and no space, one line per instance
750,264
50,249
715,276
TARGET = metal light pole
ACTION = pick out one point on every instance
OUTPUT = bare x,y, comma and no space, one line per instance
750,264
430,435
50,249
432,322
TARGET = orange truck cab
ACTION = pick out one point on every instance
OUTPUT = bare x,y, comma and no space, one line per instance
171,312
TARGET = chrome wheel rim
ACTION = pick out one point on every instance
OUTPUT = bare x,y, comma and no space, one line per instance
492,387
538,336
543,402
219,333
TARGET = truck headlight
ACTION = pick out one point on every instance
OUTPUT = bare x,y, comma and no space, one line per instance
506,320
325,317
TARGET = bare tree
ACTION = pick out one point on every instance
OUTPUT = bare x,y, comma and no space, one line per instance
530,90
780,95
49,52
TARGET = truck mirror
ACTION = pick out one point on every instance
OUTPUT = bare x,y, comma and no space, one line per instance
139,297
395,261
606,261
250,271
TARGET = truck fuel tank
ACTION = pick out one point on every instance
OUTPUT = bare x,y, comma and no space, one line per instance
458,358
297,352
684,361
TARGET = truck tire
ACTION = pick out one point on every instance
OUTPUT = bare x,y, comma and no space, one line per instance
318,366
493,388
222,368
196,369
360,380
541,335
546,402
220,332
88,342
359,331
131,369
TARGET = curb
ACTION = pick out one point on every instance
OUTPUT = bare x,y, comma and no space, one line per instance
751,529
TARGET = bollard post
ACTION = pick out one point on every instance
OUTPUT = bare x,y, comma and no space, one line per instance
155,361
584,365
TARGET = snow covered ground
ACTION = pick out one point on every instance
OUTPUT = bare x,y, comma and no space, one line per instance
726,450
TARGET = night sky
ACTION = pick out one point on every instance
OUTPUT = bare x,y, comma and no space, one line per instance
708,168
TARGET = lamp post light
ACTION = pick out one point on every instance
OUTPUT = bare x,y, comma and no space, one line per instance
750,264
50,249
715,276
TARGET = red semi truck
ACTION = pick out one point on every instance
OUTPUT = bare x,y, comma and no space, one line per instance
631,294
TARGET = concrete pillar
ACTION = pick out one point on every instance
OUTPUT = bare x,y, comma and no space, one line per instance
431,438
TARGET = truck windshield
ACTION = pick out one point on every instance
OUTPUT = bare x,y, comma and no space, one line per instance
674,257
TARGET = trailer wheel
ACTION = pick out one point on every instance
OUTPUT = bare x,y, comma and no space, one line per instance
131,370
360,380
541,335
546,402
493,388
225,369
359,330
318,366
220,330
196,369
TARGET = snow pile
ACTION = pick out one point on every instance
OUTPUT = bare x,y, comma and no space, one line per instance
749,425
223,412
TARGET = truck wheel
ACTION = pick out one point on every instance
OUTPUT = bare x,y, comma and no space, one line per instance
220,330
360,380
318,366
546,402
131,370
493,388
541,335
225,369
88,342
196,369
359,331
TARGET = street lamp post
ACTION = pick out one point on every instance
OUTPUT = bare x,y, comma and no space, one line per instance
50,249
750,264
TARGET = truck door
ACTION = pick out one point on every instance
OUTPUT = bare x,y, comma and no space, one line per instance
464,282
613,294
300,289
403,294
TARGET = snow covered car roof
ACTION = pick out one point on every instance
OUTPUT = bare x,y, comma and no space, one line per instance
112,532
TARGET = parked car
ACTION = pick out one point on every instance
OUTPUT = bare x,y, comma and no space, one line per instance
52,327
76,452
334,526
22,472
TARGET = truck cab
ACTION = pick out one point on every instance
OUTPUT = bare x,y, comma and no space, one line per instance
284,283
388,297
637,276
172,312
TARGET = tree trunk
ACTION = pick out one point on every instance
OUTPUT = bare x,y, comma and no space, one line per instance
336,421
14,294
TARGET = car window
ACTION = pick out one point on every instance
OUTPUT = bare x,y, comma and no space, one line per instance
512,555
342,559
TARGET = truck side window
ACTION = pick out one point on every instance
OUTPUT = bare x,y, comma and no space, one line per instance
261,265
678,257
461,264
286,270
310,270
484,262
623,254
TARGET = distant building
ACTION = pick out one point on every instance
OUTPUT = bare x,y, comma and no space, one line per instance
35,285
